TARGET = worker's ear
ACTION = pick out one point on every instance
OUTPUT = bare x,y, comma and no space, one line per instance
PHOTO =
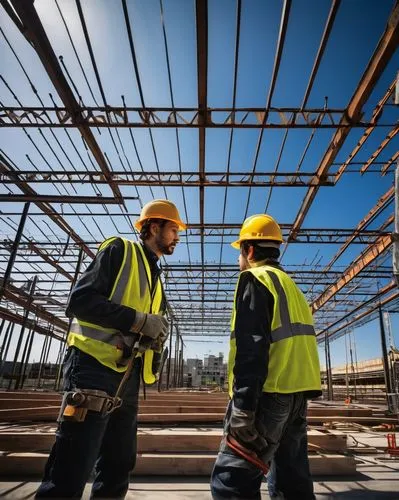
250,253
154,228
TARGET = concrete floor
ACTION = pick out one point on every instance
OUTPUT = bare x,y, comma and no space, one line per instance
377,477
155,488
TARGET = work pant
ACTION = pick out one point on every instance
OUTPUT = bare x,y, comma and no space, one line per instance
281,420
106,442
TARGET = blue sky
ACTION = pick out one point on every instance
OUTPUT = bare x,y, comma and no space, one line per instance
357,29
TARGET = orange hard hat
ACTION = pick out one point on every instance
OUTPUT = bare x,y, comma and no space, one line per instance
259,227
160,209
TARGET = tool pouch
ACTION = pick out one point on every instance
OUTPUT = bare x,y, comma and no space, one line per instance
76,404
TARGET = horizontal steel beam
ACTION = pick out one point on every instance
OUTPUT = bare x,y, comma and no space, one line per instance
131,117
29,323
359,265
50,198
187,179
17,296
386,48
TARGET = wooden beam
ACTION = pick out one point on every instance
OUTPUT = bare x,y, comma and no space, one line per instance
32,464
157,441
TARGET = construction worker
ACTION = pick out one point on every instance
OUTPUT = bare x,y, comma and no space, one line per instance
273,369
118,303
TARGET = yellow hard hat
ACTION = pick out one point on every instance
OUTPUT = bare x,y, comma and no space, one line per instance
259,227
160,209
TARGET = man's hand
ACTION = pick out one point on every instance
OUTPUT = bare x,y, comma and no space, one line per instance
242,427
154,326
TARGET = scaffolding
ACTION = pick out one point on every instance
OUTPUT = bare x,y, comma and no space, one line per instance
55,211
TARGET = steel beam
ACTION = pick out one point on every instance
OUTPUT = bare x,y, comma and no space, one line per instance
49,260
381,205
374,120
227,118
217,230
14,250
16,296
382,55
391,135
202,74
50,198
5,167
364,260
355,319
35,34
385,360
183,179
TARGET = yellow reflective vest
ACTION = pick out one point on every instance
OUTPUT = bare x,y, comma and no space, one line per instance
293,356
132,288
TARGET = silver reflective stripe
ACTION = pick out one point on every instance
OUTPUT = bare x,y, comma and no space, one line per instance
124,277
287,329
93,333
143,277
281,332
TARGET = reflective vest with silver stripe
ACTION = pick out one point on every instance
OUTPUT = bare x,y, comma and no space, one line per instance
293,356
132,288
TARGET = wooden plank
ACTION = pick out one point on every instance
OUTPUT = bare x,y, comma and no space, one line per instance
44,414
151,441
26,442
29,395
49,414
151,408
32,464
13,403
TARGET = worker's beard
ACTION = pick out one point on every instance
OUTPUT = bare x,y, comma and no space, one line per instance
166,248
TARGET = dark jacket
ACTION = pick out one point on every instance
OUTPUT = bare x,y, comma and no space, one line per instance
89,298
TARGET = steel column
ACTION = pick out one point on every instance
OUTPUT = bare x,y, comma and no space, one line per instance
14,249
15,368
385,361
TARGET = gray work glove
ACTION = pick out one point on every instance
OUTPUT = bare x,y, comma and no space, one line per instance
154,326
242,427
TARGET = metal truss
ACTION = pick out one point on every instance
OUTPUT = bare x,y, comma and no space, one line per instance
123,117
189,179
199,291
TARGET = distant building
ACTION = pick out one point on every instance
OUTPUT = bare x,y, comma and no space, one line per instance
214,371
192,372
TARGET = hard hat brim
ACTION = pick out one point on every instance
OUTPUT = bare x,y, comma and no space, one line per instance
236,244
138,224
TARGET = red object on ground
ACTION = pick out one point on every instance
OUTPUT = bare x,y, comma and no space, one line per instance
392,447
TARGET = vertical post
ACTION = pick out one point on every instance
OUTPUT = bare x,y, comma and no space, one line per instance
2,326
330,371
395,234
327,365
5,340
22,367
23,326
346,368
182,363
14,249
169,353
175,361
32,334
62,345
39,375
387,377
5,347
330,393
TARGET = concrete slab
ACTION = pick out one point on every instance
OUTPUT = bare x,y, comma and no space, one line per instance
154,488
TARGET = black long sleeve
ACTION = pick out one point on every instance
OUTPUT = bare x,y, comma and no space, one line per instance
89,298
254,312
